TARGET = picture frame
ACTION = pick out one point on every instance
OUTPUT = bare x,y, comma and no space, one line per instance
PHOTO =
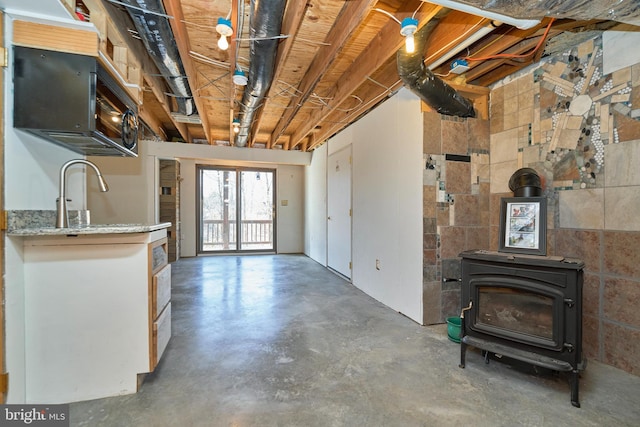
523,225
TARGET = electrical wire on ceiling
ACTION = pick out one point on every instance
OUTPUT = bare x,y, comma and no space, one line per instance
371,79
141,9
281,36
389,14
288,89
298,39
202,58
348,110
210,27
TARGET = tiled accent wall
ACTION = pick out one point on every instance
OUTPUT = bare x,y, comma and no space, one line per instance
579,128
456,206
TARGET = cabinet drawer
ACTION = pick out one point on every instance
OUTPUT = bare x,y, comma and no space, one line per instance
161,292
161,335
158,254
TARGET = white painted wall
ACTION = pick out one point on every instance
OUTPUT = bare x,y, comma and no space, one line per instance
131,196
133,183
316,196
315,213
289,186
387,202
31,171
290,218
188,223
343,139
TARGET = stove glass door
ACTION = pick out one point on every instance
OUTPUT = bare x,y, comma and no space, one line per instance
516,311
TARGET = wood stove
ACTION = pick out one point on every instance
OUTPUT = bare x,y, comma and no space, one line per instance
525,307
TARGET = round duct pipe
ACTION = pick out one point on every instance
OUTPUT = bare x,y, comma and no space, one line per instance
525,182
427,86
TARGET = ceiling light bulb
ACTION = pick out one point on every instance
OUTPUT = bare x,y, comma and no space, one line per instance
224,28
410,44
236,125
223,43
407,28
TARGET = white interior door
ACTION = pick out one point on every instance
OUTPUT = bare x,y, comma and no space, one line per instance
339,212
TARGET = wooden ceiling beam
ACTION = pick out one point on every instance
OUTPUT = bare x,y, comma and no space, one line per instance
381,48
476,73
451,31
150,71
511,42
387,82
351,15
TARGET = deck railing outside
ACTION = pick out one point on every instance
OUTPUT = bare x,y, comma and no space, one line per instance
255,234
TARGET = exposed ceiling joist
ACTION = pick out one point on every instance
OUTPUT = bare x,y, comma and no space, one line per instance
335,61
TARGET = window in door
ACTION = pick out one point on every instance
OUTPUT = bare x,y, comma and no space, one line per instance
236,209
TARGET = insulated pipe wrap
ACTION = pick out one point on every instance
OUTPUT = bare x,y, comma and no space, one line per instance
627,11
421,81
157,36
265,21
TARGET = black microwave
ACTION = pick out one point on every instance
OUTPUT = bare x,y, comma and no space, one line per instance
73,101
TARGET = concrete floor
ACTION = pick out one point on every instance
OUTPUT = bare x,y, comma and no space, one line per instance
281,341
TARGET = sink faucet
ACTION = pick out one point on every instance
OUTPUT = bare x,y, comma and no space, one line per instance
62,220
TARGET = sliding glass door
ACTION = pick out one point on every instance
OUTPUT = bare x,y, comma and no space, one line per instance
236,209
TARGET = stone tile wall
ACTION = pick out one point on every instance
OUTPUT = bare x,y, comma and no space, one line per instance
578,126
456,206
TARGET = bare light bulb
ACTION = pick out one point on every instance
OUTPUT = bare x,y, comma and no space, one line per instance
408,27
223,43
410,44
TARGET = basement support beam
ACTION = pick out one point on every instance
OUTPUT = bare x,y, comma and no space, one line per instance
352,14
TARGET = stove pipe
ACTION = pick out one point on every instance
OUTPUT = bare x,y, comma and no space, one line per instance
525,182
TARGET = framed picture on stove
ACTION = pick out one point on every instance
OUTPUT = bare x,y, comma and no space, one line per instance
523,225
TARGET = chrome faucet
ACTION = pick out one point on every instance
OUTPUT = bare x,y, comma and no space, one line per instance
62,220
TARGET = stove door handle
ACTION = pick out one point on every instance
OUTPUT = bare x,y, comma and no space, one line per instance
467,308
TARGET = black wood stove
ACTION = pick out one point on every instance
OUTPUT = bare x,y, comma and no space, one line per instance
525,307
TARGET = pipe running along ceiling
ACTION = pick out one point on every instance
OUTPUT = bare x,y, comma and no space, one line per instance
421,81
156,35
265,24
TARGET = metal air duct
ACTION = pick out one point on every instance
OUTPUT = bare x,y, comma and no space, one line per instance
421,81
265,22
155,31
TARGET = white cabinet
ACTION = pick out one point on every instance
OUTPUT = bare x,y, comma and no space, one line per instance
97,313
159,300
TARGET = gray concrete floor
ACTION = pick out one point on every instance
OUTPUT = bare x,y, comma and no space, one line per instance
281,341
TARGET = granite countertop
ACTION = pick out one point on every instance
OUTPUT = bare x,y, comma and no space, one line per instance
42,223
89,229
